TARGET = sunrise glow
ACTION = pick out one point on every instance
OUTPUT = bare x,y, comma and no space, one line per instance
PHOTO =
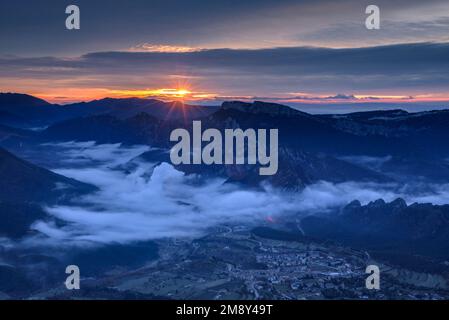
149,47
164,92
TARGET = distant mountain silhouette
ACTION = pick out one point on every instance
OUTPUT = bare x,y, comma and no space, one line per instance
129,107
27,111
23,110
18,100
259,107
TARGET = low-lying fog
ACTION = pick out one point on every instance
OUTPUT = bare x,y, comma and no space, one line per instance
156,201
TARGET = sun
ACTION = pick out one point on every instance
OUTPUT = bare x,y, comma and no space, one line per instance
177,92
183,92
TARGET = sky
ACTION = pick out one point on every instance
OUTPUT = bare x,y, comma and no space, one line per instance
288,51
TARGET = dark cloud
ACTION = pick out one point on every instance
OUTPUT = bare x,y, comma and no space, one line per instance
38,27
419,66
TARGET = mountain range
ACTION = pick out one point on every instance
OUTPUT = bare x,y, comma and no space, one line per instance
378,147
25,111
313,148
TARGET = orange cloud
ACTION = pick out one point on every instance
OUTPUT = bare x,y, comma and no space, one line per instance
148,47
